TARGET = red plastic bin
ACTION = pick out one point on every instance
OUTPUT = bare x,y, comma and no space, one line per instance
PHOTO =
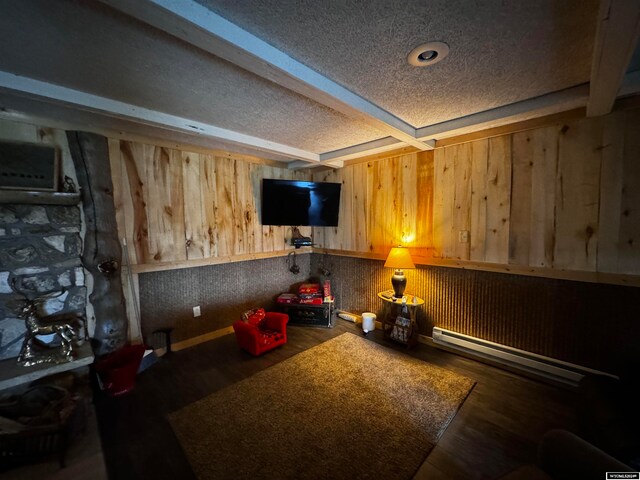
117,371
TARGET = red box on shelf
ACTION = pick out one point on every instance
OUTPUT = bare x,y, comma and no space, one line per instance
288,298
309,289
311,301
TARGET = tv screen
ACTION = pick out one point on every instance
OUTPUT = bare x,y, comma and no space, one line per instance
298,203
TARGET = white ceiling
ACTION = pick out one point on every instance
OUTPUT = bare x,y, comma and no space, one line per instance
501,51
142,78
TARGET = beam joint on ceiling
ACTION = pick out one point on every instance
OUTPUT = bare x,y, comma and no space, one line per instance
369,148
556,102
56,94
204,29
616,39
300,165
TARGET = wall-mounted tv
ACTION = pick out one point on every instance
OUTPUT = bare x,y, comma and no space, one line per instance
297,203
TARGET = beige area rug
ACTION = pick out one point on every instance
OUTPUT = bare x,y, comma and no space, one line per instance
348,408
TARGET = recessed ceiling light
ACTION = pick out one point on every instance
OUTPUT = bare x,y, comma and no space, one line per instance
428,54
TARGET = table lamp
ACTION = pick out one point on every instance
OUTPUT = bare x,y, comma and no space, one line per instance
399,258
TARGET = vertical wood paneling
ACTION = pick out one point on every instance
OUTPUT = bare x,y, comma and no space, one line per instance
577,195
443,202
165,206
197,243
243,209
543,196
534,155
254,205
376,188
174,206
629,239
208,189
462,158
408,186
134,156
423,242
346,231
478,228
386,212
562,196
392,194
521,201
372,186
174,221
498,200
360,207
225,201
611,181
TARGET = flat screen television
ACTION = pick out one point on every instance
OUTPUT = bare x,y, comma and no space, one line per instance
298,203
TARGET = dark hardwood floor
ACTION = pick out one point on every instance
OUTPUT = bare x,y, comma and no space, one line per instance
496,430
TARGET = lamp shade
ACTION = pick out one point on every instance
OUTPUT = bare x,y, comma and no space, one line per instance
399,257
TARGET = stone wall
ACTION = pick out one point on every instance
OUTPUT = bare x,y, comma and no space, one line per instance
40,249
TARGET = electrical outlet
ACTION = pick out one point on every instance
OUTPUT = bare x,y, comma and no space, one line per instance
463,236
196,311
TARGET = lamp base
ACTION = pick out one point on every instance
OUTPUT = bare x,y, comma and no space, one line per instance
399,282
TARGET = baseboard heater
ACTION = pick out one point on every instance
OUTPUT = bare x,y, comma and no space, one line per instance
547,367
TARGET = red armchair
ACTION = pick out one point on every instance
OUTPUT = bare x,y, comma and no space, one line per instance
261,331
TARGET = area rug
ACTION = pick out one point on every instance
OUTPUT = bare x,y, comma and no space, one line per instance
348,408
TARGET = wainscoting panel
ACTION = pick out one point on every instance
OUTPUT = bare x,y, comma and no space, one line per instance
589,324
223,292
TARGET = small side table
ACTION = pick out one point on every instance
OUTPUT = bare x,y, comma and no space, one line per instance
395,326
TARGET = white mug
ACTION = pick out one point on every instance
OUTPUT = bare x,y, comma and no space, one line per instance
368,322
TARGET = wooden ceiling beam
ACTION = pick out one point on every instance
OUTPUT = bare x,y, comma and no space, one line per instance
616,39
300,165
542,106
356,151
204,29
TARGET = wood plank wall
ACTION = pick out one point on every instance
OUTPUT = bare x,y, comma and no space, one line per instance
564,197
178,208
383,203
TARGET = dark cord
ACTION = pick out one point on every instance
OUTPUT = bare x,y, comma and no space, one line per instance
293,267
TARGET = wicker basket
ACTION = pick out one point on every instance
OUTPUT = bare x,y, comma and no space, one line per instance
36,424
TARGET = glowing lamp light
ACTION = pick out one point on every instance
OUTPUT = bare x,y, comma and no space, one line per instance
399,258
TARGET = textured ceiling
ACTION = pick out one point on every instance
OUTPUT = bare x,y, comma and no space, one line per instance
18,108
89,47
502,51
